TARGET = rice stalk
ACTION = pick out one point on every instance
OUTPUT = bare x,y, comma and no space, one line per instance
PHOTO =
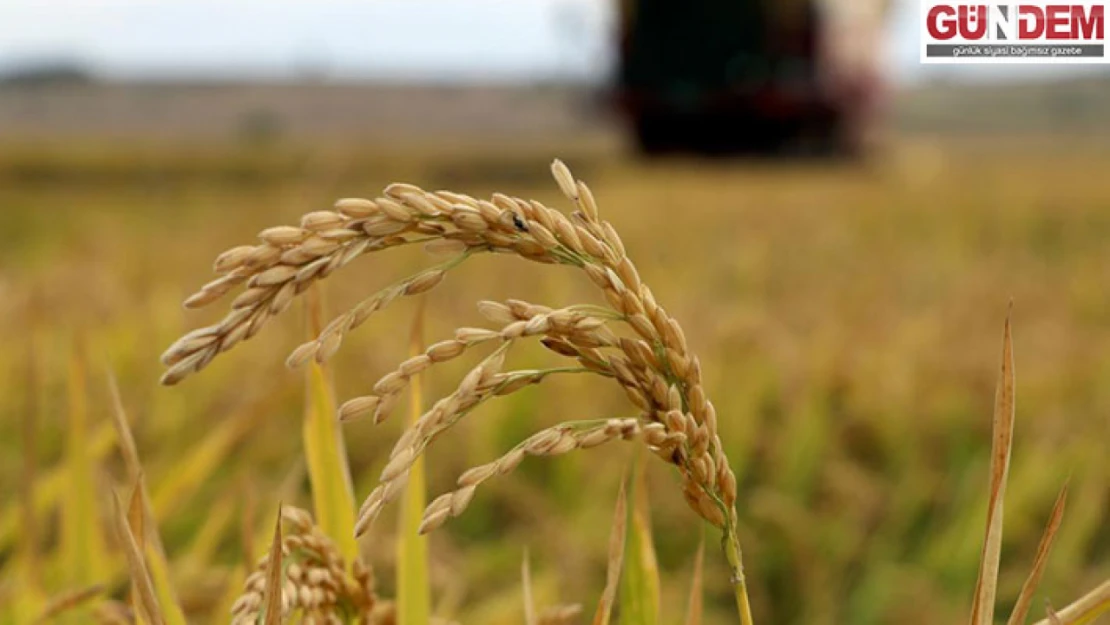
136,562
640,594
650,361
125,439
141,514
158,564
82,541
326,455
414,603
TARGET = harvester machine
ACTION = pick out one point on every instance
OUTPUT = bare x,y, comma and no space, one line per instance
750,76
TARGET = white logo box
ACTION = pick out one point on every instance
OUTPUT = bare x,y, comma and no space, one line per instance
1037,32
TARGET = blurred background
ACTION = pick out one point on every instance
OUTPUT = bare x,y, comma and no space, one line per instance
838,228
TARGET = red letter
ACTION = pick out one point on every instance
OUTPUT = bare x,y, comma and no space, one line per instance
1030,22
941,29
1091,26
1058,16
979,18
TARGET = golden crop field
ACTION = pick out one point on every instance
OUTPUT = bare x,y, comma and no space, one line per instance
848,320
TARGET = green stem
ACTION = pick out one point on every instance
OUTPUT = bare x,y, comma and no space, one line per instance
731,544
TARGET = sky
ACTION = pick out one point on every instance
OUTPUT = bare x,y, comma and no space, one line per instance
445,40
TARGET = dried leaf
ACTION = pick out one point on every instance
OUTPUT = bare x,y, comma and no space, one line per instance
1003,431
141,515
1025,599
125,438
137,565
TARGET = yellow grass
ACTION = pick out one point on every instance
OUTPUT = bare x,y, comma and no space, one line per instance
846,320
82,533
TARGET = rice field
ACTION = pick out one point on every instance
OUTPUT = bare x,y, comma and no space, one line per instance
847,319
